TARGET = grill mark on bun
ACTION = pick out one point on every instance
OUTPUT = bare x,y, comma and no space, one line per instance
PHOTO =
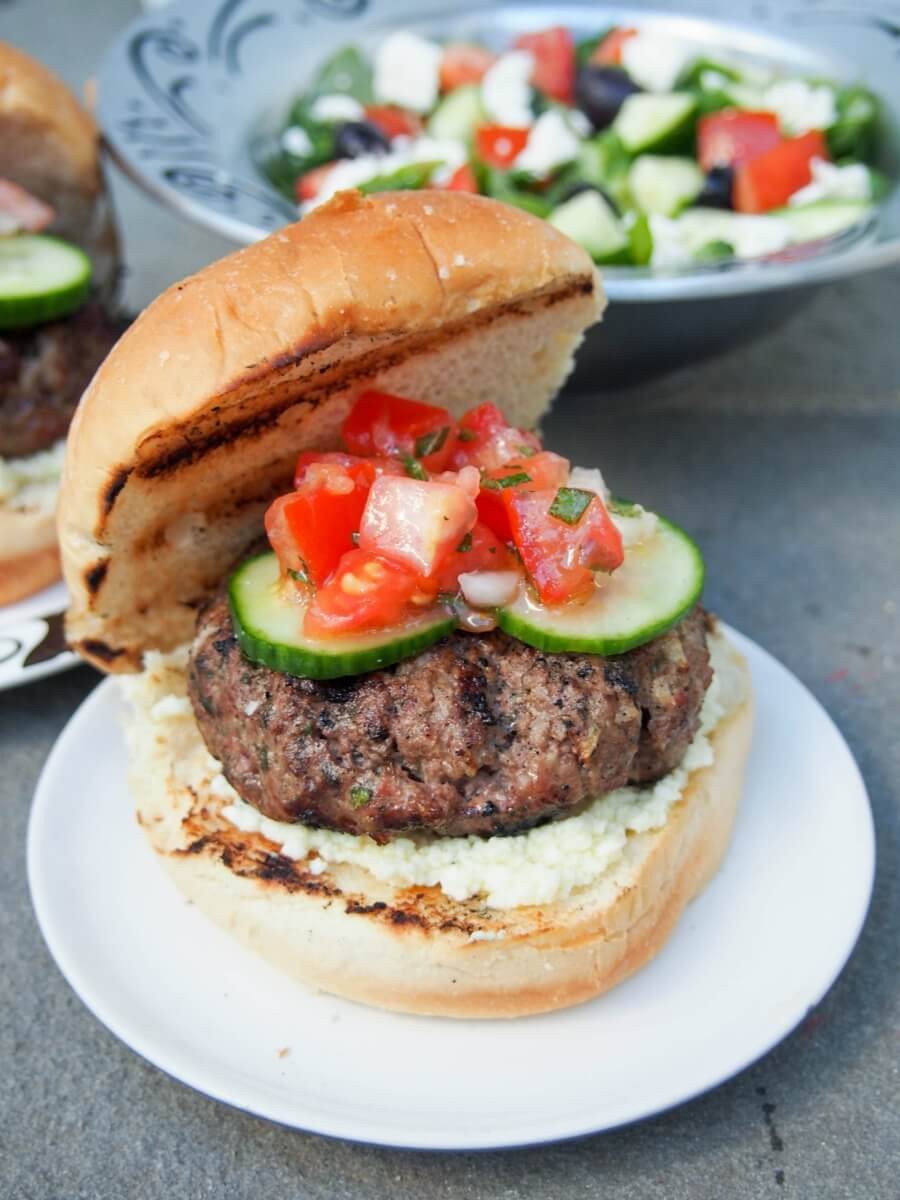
112,491
94,577
197,440
95,648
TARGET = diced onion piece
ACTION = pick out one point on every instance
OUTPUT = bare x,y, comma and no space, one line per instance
489,589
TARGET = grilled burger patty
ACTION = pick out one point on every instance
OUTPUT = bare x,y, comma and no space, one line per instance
480,734
43,372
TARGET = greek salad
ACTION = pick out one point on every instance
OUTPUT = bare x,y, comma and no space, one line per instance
422,524
645,149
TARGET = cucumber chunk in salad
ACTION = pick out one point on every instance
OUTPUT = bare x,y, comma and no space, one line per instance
269,628
589,220
659,582
661,123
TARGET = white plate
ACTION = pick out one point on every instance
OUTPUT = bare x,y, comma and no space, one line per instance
23,629
748,960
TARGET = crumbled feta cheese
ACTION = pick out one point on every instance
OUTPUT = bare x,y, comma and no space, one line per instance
336,107
32,482
677,240
830,182
800,106
506,89
350,172
655,61
551,143
169,708
407,70
295,140
579,123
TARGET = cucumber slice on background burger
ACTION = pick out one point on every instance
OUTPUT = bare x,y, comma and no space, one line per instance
488,827
58,274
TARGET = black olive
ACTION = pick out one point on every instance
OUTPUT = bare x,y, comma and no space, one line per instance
601,91
717,189
577,188
356,138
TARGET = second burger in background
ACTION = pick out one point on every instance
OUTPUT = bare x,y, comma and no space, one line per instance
58,274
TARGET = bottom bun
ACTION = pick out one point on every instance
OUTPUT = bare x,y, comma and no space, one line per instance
29,556
413,949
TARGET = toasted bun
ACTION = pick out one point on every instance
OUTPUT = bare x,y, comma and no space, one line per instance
194,422
413,949
48,145
29,556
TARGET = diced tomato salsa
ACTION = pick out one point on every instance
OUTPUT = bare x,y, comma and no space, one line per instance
377,532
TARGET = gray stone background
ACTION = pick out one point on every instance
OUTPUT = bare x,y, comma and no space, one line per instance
783,458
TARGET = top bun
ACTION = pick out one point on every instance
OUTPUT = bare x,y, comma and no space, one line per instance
48,145
194,422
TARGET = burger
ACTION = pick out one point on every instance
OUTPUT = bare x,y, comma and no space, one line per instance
58,272
419,710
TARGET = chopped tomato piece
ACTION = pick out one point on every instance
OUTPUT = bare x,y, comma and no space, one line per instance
309,185
26,210
380,423
485,440
312,527
462,180
480,550
554,61
464,62
500,145
609,51
416,522
769,180
361,470
542,470
732,137
394,122
560,556
366,592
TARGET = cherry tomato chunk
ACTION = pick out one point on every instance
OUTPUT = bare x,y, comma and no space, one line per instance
382,424
609,51
463,62
308,186
769,180
732,137
462,180
500,145
415,522
554,61
366,592
394,122
560,557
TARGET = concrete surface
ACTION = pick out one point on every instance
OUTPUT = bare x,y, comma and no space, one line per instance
783,459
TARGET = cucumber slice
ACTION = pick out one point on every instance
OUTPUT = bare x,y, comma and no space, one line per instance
664,185
663,123
589,220
269,629
658,583
822,219
41,279
458,115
